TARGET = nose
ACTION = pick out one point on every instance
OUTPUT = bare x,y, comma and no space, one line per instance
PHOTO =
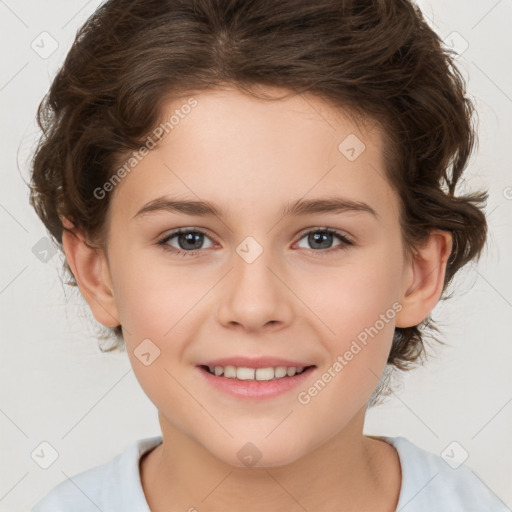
255,296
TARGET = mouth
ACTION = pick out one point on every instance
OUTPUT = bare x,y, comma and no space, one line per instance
258,383
265,374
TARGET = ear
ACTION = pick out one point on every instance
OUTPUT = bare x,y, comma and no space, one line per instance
90,268
424,279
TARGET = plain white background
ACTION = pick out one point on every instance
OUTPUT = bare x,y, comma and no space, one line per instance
57,387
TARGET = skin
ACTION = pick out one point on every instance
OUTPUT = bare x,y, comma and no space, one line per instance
250,157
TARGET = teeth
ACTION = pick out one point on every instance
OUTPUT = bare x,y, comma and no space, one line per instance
291,371
280,371
230,372
243,373
264,373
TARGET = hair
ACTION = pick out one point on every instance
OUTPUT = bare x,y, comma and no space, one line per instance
375,59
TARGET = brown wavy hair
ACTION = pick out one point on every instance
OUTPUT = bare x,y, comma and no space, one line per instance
376,59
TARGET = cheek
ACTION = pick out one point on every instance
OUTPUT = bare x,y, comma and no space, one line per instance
152,296
353,295
359,304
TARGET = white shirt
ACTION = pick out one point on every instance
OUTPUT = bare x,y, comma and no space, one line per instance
429,484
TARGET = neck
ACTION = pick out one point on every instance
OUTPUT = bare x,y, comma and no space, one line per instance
349,472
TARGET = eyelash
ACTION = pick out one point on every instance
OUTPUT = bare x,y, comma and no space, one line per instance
346,242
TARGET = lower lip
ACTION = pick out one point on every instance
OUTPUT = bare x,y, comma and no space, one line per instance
255,388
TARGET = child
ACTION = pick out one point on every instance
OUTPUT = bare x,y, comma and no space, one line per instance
261,129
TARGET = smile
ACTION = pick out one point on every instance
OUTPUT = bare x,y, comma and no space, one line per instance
266,382
261,374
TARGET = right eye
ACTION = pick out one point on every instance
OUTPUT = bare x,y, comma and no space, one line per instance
188,240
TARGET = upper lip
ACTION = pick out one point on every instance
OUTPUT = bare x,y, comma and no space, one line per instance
254,362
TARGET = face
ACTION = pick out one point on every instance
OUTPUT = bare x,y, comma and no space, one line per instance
251,286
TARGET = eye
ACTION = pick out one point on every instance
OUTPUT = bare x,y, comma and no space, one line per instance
189,241
321,238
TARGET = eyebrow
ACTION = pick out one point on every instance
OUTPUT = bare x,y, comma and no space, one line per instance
294,208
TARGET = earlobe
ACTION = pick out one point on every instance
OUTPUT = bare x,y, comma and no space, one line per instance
425,279
90,268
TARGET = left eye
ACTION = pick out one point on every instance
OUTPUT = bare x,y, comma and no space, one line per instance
322,238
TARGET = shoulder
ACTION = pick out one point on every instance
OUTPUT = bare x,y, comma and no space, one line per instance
114,486
429,482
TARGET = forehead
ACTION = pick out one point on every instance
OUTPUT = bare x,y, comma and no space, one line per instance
245,153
